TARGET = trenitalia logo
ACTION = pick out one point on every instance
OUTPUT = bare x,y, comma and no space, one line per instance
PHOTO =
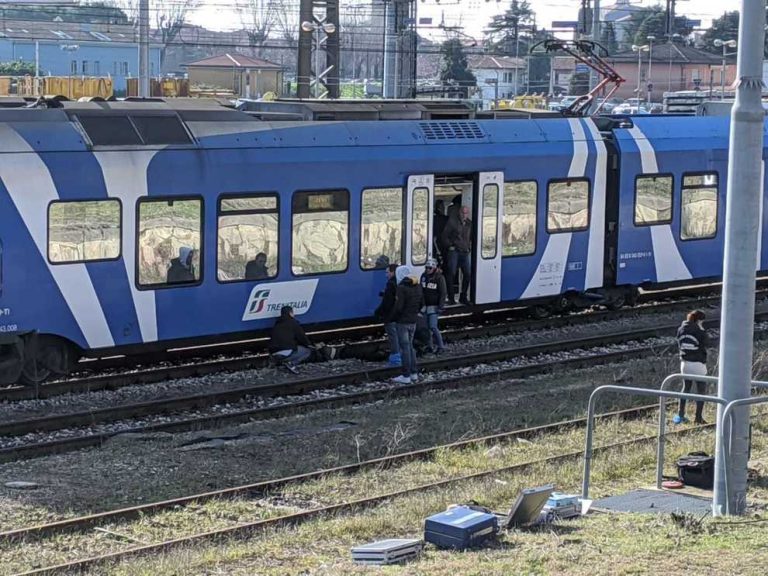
258,300
266,300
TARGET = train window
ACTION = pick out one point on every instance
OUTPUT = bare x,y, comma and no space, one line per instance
653,200
169,236
110,130
320,232
247,240
381,228
156,130
518,225
698,218
567,205
83,231
420,227
490,220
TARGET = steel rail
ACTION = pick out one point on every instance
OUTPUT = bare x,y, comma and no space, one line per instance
199,363
247,529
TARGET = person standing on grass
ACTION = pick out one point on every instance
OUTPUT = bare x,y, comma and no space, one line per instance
433,286
383,312
692,341
409,300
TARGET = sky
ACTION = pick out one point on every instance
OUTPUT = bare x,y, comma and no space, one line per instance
474,15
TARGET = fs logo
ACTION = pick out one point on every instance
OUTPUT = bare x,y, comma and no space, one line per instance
258,301
266,300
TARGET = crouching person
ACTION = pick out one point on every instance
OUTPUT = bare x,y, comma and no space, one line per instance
288,340
408,302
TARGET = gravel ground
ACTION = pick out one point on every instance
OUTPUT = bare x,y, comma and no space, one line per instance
249,403
83,402
136,468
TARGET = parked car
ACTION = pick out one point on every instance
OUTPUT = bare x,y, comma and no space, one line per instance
631,109
563,104
607,105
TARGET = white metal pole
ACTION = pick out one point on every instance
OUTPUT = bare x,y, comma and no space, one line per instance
722,74
144,48
639,70
742,216
37,58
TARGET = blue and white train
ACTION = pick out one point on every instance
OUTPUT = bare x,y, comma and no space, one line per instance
128,226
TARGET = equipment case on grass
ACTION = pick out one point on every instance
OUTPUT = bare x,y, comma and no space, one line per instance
460,528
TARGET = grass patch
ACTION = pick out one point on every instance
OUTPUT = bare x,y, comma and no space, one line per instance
323,545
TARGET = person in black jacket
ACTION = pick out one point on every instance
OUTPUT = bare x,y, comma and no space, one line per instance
182,269
408,302
457,239
383,312
433,286
257,269
288,340
692,342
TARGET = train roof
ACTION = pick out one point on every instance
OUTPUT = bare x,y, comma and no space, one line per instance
47,124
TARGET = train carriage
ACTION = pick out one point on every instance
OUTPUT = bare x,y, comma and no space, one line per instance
672,177
131,226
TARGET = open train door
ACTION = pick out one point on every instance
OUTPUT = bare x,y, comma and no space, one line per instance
487,244
418,221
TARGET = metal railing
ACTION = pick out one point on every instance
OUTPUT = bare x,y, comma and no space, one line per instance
663,394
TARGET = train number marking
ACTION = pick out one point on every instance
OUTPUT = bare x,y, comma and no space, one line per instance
8,328
5,311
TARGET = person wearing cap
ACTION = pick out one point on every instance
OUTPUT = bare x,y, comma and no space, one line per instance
409,300
692,342
435,291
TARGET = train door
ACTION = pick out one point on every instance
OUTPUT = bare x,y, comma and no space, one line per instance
487,229
418,220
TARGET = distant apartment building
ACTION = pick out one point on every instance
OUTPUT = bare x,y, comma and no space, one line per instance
498,77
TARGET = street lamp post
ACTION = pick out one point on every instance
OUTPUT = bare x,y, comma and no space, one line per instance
727,44
639,50
650,64
315,27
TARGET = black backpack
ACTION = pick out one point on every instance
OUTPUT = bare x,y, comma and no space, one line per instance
697,469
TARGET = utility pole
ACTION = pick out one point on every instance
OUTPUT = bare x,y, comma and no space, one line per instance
742,219
593,79
144,49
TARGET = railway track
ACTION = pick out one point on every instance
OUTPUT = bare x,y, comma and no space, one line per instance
94,427
194,364
350,387
97,521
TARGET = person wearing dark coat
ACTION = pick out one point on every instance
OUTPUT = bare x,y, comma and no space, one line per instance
692,342
182,268
434,289
257,269
383,311
439,220
409,300
288,340
457,239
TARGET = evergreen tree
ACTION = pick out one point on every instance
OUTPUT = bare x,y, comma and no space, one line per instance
504,30
454,68
724,28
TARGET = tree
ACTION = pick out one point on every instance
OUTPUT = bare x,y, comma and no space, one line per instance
19,68
454,68
724,28
504,30
169,17
258,17
608,38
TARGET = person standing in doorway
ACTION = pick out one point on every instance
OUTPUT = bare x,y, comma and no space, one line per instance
433,286
384,310
692,341
439,220
457,238
409,300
